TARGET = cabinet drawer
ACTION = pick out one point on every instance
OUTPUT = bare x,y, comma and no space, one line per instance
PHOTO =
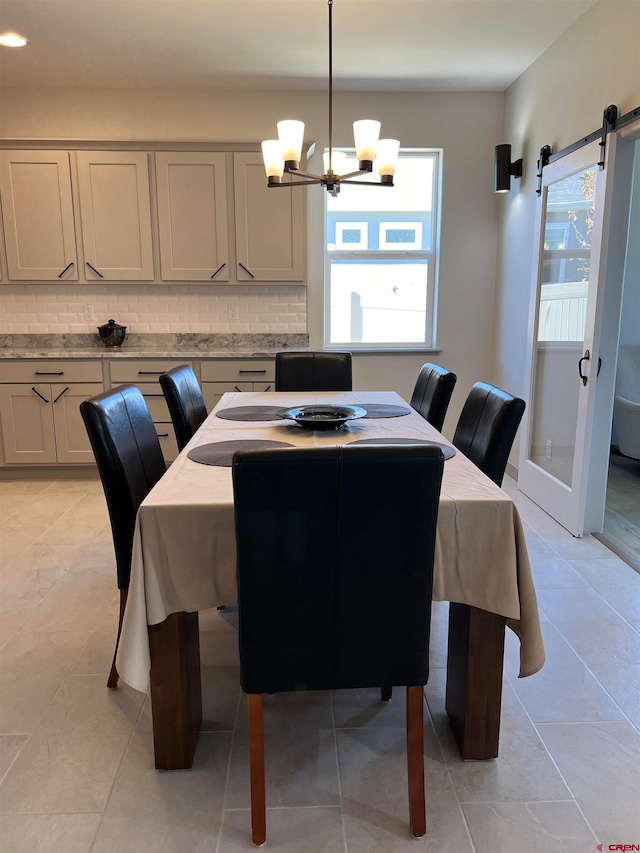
155,400
245,370
141,370
48,370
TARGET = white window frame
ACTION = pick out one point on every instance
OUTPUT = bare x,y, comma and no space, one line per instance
433,262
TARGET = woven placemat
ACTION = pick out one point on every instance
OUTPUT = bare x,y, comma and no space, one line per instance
383,410
250,413
221,452
447,451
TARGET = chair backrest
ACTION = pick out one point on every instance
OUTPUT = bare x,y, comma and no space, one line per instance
313,371
130,462
432,393
326,537
487,427
184,401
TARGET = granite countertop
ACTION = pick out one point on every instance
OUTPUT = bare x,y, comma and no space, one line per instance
166,345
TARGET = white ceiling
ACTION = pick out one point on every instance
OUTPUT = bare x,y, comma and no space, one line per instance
380,45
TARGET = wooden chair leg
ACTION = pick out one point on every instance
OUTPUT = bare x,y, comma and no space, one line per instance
256,769
112,681
386,693
415,760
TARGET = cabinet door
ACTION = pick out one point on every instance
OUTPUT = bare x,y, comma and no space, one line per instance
192,216
72,442
27,423
116,215
213,391
37,208
269,225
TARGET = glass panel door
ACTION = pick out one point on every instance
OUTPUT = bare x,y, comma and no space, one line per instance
564,337
562,311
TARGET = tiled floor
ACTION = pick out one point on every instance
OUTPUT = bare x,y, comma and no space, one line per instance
77,758
622,512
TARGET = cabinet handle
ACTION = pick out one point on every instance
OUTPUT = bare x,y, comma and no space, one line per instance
238,389
49,373
93,269
268,388
246,270
151,372
252,371
68,267
218,270
40,395
163,435
62,393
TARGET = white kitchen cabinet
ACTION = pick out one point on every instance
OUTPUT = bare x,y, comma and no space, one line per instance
192,216
39,410
115,210
37,209
269,225
219,376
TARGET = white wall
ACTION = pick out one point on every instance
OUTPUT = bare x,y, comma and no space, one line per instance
560,98
466,125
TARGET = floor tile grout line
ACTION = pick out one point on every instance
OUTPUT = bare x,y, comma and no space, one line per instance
14,759
223,808
337,754
636,725
448,769
555,764
512,683
125,752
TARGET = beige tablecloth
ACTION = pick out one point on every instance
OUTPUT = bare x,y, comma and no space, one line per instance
184,546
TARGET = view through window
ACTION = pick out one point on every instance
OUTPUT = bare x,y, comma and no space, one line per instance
381,255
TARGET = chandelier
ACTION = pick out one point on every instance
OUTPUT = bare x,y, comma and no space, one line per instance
283,154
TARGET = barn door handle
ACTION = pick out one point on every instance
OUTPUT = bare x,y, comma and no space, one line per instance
585,357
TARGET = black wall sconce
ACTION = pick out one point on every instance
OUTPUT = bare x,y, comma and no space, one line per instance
505,169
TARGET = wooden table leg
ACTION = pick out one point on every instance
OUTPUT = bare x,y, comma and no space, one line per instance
176,690
474,679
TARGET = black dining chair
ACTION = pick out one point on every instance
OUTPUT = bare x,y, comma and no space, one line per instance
487,427
313,371
323,534
184,401
432,393
130,462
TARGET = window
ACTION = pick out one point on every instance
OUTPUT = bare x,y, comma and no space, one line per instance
381,258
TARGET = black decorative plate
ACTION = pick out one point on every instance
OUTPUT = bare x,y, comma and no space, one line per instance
322,417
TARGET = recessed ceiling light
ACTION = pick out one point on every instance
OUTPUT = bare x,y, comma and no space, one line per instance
12,40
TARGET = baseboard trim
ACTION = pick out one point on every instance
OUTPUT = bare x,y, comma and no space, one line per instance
49,472
512,471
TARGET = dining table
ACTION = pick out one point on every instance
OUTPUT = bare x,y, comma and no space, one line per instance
184,561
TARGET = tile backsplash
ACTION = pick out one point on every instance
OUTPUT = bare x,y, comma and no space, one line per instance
36,309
